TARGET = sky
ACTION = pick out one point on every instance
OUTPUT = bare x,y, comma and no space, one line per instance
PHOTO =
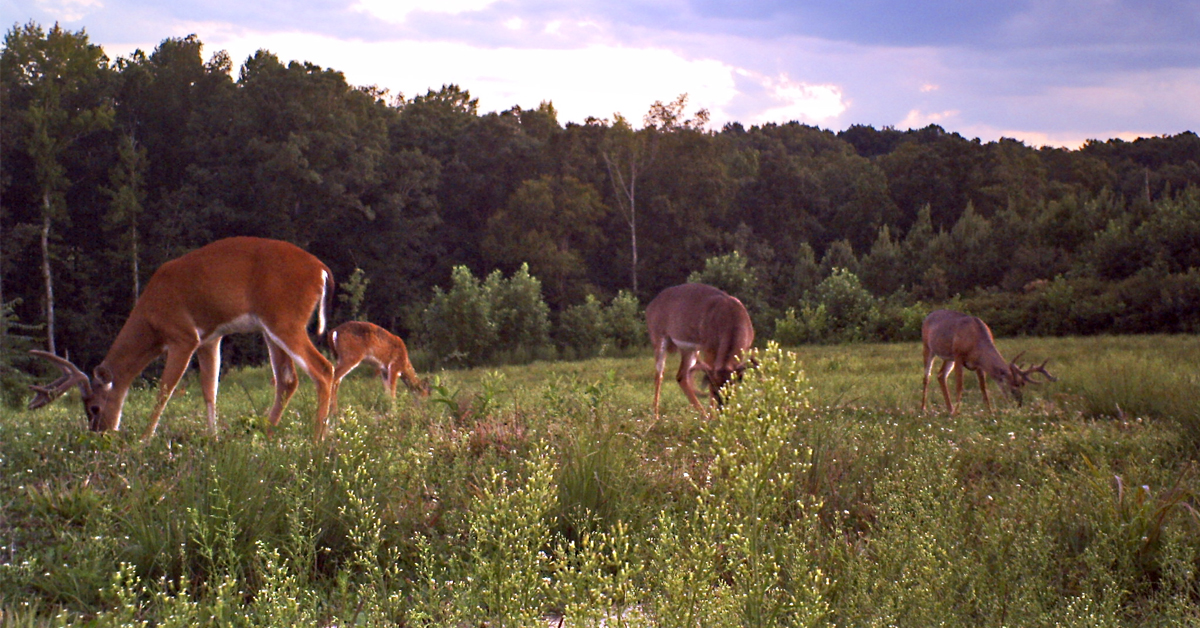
1046,72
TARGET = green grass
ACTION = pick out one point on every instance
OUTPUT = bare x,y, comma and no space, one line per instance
819,496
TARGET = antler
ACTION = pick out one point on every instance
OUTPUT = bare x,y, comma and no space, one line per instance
1041,368
71,376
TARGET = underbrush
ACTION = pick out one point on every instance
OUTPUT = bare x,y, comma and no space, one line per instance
528,495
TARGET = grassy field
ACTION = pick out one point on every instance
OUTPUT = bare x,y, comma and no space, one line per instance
526,495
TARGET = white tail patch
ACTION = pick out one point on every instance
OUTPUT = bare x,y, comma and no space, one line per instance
321,303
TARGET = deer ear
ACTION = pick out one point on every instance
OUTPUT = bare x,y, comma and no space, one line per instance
103,375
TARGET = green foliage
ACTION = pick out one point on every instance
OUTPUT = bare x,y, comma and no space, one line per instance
625,321
354,290
730,272
590,328
457,325
521,316
15,342
581,328
477,321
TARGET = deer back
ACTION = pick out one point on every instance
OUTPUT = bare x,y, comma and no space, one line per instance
704,317
368,340
965,339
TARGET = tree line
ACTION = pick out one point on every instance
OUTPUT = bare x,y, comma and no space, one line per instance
111,167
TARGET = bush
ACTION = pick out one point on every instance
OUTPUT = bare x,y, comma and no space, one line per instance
521,317
589,328
581,328
624,322
475,322
806,326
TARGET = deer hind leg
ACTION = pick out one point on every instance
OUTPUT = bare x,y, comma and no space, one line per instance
947,367
209,358
296,346
687,364
178,358
283,371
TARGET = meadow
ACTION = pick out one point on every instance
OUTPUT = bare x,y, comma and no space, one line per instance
547,494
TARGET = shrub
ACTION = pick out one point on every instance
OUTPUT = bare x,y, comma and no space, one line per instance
457,325
475,321
581,328
624,322
589,328
806,326
521,317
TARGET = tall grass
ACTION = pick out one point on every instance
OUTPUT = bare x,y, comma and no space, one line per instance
819,495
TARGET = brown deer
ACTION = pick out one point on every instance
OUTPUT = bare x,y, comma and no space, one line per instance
693,319
230,286
356,341
966,341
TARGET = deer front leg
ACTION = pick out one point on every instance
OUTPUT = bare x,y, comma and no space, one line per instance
983,387
686,364
209,358
958,387
389,374
660,364
925,382
343,368
178,358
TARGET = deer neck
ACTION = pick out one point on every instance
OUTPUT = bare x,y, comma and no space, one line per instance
991,362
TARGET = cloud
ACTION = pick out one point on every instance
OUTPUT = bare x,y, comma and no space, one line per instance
397,11
916,119
70,10
802,102
595,81
1048,70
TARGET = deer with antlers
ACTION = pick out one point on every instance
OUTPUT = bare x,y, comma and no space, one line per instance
230,286
356,341
698,320
966,341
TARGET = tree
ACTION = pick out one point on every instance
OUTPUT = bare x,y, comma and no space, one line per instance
629,153
549,222
128,194
62,79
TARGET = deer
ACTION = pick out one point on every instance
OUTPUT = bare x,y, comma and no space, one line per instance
234,285
356,341
966,341
698,319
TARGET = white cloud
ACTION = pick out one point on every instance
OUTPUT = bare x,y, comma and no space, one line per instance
594,81
396,11
916,119
70,10
799,101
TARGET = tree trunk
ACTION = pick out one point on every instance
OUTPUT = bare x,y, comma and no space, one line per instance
46,277
137,289
633,227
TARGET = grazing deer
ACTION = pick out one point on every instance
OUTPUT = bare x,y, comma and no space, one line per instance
966,341
230,286
694,318
356,341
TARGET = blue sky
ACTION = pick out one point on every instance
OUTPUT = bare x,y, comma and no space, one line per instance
1054,72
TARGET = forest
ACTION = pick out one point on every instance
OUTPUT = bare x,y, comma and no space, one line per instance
110,167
